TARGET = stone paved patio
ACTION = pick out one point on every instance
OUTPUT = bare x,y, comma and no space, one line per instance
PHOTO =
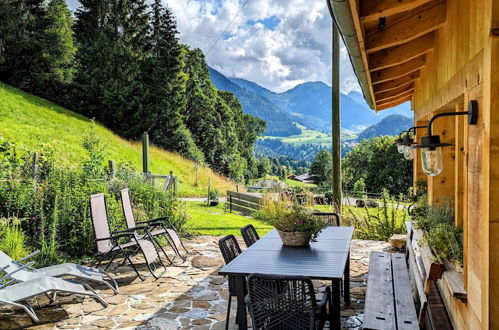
187,296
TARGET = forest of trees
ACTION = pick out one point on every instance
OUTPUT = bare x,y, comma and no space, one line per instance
120,62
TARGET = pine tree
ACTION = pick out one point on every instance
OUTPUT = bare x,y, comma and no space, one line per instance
162,115
113,46
59,48
22,29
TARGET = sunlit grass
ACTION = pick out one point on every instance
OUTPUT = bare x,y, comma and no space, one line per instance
217,221
32,123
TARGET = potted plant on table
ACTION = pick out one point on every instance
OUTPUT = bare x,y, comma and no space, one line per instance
296,225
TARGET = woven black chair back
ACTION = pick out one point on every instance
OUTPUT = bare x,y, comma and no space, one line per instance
230,250
250,235
281,302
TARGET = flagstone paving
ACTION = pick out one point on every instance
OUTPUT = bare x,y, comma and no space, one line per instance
189,295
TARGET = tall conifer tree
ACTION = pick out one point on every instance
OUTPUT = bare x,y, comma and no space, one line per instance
113,43
166,83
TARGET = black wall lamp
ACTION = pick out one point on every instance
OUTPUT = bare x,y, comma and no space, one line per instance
404,143
431,147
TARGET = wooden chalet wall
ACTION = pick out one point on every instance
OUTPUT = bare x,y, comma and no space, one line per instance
463,66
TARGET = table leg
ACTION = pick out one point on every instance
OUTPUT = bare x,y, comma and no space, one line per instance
241,304
335,317
346,282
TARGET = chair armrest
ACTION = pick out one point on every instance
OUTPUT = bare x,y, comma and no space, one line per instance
31,255
153,221
167,219
8,275
129,230
124,234
326,298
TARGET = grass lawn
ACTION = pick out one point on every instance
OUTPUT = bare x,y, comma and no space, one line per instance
216,221
309,136
34,123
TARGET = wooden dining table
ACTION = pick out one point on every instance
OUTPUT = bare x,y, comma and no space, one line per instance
326,259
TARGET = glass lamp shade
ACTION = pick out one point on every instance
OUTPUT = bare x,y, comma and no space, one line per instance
431,161
400,148
409,153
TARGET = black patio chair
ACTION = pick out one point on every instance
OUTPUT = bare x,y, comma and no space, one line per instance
155,227
108,243
230,250
250,235
330,218
285,302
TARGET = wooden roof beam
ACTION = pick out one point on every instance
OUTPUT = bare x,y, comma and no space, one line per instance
396,97
396,83
391,104
408,28
401,54
394,92
370,10
398,71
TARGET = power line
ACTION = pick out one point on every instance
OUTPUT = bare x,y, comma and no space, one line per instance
227,27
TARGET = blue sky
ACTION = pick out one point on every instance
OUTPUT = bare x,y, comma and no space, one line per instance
275,43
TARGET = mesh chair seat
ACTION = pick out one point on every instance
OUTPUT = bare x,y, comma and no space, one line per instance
285,302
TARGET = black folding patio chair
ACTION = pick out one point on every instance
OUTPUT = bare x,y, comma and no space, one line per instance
250,235
155,227
285,302
230,250
108,243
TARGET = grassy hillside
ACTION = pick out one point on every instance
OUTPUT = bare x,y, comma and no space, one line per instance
309,136
32,122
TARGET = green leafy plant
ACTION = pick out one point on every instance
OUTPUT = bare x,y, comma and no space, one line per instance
378,223
289,217
12,239
55,212
439,229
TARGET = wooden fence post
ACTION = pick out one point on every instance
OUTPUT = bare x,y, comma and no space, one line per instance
112,169
197,170
145,154
209,187
36,158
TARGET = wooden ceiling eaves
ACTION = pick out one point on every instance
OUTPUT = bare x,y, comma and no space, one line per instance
409,28
402,53
398,71
371,10
395,92
394,55
391,104
360,36
396,83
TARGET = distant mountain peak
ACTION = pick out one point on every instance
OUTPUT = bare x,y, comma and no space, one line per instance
308,104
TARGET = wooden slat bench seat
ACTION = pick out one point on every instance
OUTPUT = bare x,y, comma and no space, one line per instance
389,300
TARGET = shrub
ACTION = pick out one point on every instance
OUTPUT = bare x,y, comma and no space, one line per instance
439,230
12,239
378,223
56,213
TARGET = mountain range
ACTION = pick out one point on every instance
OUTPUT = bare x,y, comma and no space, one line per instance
391,125
308,104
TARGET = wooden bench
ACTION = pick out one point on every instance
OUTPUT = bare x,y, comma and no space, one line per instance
389,301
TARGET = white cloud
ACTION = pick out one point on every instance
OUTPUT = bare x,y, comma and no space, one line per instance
297,50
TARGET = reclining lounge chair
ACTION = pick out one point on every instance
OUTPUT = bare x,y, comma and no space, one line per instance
22,273
108,244
155,227
18,292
